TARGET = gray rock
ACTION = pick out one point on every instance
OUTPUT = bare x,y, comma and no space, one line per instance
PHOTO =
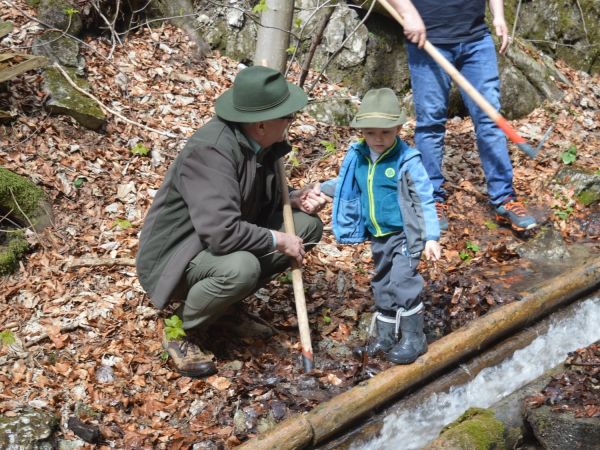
547,245
337,110
31,430
66,100
56,13
58,48
560,431
584,182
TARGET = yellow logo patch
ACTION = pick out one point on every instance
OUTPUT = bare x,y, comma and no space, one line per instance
390,173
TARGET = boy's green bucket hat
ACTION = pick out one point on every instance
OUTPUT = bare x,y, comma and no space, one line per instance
259,93
379,109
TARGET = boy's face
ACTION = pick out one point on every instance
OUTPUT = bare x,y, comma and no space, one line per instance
380,139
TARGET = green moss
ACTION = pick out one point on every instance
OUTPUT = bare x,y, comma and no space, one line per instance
19,195
476,429
12,252
588,197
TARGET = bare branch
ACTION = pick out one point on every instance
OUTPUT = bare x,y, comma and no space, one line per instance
101,262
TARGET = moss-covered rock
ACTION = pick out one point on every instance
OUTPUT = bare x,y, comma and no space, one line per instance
67,100
584,182
22,200
562,30
25,205
476,429
11,252
60,14
58,48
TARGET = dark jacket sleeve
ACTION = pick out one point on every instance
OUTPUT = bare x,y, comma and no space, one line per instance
209,183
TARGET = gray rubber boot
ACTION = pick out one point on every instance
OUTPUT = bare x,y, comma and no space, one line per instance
413,343
383,334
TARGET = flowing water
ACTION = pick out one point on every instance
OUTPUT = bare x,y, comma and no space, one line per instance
412,429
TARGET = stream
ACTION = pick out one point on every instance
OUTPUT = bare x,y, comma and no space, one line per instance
412,428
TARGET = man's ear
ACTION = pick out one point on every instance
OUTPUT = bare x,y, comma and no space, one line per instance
261,128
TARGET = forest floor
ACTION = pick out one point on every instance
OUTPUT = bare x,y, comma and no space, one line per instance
87,340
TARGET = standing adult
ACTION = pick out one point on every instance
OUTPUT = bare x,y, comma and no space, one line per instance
458,30
214,232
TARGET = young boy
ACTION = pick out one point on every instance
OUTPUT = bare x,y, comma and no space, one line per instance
383,194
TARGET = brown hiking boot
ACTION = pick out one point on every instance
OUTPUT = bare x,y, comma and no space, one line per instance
189,359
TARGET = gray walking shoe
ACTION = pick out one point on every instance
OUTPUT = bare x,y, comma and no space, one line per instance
413,343
382,334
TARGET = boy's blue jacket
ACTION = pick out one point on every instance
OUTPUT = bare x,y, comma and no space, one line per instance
357,215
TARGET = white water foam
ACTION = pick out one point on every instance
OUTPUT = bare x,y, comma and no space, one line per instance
413,429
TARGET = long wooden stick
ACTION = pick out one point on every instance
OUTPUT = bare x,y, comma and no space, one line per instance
299,298
468,88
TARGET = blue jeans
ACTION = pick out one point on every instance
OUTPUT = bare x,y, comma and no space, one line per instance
476,61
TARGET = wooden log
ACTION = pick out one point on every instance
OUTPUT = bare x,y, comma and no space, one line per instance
8,71
334,415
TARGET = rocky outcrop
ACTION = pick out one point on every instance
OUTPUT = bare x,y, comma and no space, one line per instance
563,30
361,50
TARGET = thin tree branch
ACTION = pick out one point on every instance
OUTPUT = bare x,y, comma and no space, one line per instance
114,36
313,46
587,37
101,262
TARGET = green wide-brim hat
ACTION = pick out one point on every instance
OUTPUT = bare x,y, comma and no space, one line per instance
259,93
379,109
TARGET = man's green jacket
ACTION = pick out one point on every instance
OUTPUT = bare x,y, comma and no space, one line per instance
218,194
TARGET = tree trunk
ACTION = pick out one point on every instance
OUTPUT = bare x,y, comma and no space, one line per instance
274,34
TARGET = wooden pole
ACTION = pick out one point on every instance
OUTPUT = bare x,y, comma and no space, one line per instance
334,415
299,298
468,88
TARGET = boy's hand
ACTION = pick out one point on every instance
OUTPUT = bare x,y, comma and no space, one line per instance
433,251
309,199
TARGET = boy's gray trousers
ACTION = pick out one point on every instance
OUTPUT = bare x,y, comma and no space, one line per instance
396,282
